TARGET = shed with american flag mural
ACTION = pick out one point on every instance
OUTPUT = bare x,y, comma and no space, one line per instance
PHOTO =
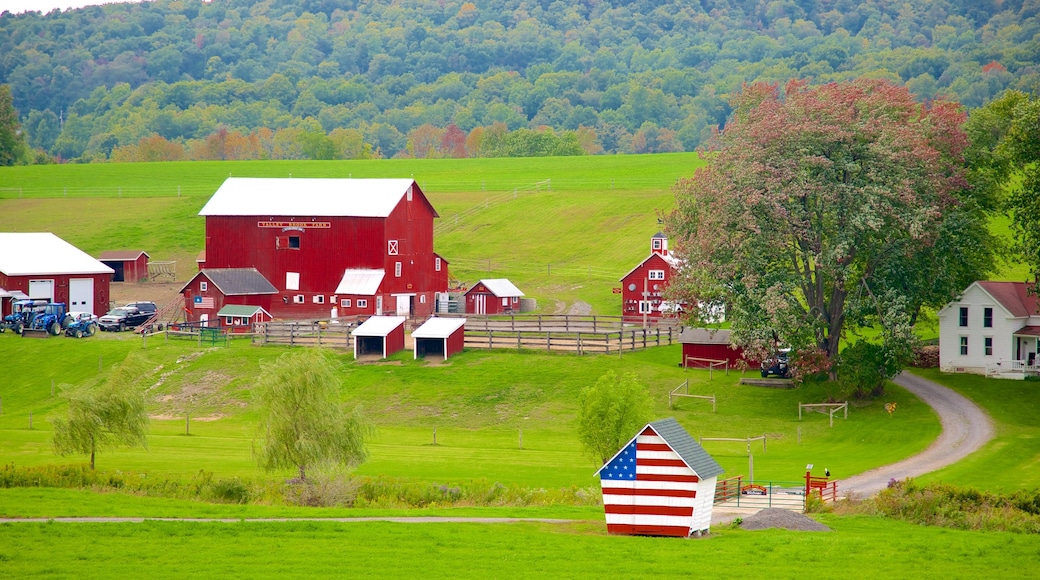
661,483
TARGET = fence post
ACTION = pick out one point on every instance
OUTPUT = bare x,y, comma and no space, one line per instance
799,410
30,420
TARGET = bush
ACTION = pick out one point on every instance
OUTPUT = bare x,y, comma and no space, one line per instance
944,505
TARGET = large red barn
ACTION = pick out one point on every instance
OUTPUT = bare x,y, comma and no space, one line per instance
330,247
642,288
45,267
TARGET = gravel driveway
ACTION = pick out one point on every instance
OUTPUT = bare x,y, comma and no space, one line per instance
965,429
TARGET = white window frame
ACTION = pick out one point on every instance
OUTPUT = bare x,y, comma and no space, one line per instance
299,299
655,275
318,299
658,243
229,320
362,303
516,299
392,247
964,345
203,286
422,299
397,269
963,317
344,303
292,280
437,264
987,345
645,307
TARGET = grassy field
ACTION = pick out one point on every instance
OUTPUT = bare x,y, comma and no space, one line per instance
563,229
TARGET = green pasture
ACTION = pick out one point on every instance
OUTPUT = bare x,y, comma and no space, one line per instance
501,416
563,229
520,550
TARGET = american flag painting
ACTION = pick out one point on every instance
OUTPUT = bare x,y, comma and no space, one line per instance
651,488
203,302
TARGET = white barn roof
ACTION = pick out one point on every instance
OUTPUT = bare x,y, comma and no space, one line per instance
43,253
360,282
256,196
438,327
378,326
501,287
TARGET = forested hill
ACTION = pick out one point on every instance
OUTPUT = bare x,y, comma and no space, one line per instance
354,78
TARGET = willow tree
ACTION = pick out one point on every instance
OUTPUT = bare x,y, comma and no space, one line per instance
825,208
105,416
303,423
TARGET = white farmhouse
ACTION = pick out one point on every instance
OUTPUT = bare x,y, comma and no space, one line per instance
992,329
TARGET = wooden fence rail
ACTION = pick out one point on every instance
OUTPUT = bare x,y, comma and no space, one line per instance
576,342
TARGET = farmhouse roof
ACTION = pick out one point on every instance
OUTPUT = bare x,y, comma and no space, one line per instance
39,253
253,196
122,255
360,282
704,336
240,310
669,259
691,452
438,327
1013,296
236,281
501,287
1028,331
378,326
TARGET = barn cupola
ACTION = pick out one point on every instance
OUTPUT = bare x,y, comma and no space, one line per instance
659,244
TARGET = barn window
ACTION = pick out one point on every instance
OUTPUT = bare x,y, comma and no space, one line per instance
422,299
298,299
228,320
437,264
362,303
987,318
319,299
645,307
657,243
505,302
988,345
345,303
516,299
391,247
963,321
287,242
657,274
964,346
203,286
292,280
397,269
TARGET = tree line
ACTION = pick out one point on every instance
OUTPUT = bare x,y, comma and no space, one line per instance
644,76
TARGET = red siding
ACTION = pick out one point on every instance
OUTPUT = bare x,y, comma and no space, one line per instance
193,312
325,252
492,304
102,284
395,340
633,284
712,352
455,342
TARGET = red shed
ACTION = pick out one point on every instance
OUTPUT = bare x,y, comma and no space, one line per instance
439,336
494,296
128,265
211,290
46,267
310,238
642,289
382,335
701,345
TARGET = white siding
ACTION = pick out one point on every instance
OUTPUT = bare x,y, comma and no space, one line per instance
950,332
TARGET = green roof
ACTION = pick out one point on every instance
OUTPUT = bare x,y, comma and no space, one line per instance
239,310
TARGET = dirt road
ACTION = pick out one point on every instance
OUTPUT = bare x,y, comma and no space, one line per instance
965,429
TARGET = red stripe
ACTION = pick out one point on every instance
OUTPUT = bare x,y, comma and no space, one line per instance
643,461
652,447
634,530
650,492
659,477
648,510
648,431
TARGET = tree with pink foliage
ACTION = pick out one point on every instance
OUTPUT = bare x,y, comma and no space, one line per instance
824,209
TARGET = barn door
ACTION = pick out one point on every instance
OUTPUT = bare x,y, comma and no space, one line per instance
41,290
81,295
480,304
404,305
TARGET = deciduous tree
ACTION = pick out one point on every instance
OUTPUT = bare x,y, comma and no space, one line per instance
816,205
610,412
303,424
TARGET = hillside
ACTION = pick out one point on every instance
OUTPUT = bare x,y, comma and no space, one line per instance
235,79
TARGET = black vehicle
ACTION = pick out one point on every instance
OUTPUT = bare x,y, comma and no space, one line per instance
145,307
122,318
776,364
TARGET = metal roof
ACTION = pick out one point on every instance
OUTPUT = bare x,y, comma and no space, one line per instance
691,452
122,255
438,327
43,253
250,196
501,287
360,282
378,326
241,310
704,336
236,281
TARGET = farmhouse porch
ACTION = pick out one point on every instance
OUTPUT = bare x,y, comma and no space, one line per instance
1024,344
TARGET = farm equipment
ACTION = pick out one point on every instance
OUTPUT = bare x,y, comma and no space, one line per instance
81,326
22,312
47,320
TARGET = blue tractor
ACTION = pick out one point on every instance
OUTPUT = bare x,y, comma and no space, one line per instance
50,319
22,312
82,325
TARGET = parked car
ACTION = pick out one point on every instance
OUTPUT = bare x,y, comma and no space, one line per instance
122,318
777,364
145,307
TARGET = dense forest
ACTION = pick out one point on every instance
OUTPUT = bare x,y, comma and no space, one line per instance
227,79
